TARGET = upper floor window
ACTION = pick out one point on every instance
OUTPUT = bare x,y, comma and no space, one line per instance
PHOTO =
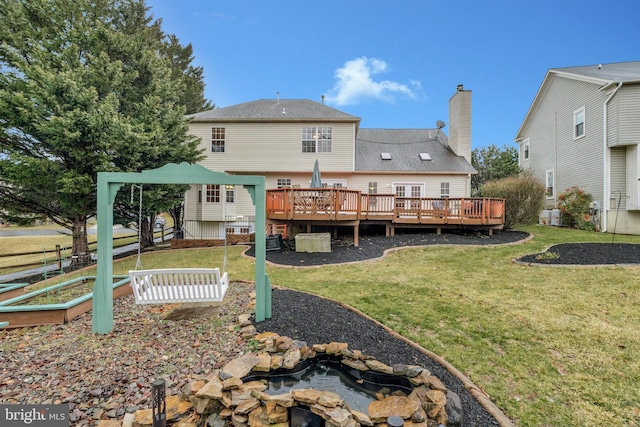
525,149
283,183
444,189
578,123
316,139
230,193
212,193
217,140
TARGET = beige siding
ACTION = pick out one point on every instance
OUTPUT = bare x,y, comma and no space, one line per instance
629,191
618,167
628,129
265,147
458,186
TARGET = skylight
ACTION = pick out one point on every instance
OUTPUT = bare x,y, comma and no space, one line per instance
385,156
425,156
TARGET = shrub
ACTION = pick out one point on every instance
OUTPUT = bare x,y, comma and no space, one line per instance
523,194
574,207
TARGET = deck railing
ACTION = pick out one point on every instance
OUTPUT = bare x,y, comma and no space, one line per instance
336,204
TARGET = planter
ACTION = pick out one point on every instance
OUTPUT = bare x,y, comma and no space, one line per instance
53,314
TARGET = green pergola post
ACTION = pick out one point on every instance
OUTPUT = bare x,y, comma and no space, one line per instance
108,185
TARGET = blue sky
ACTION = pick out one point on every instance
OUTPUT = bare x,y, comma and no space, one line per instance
396,63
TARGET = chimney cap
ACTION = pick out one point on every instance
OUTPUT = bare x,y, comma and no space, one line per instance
460,87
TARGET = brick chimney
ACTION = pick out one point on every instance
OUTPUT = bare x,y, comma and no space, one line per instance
460,123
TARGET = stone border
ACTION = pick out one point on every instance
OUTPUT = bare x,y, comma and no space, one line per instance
236,392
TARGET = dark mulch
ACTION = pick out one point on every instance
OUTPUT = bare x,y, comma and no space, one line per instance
370,247
587,254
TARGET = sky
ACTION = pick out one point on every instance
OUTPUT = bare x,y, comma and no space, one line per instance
396,63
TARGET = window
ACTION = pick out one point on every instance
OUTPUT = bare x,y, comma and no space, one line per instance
244,230
230,193
217,140
578,123
316,139
444,189
213,193
373,188
230,230
283,183
200,195
525,149
550,180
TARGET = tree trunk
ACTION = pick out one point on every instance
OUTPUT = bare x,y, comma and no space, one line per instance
80,248
176,213
146,234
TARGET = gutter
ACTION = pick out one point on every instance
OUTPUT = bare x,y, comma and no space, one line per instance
607,190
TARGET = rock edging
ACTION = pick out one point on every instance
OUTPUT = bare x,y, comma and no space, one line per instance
223,397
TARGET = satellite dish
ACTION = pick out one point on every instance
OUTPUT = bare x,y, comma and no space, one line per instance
440,124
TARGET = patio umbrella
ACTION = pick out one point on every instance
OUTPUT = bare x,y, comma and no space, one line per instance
316,181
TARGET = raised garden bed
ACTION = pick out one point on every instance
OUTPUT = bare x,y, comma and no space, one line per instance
46,306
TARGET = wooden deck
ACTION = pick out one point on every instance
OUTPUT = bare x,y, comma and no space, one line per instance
335,206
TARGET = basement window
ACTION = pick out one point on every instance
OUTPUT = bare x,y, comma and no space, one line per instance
425,157
385,156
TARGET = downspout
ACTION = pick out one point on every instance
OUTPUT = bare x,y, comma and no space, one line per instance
605,148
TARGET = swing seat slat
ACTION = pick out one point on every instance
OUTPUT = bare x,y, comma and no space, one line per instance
178,285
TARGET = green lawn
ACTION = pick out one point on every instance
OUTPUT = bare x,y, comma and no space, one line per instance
551,346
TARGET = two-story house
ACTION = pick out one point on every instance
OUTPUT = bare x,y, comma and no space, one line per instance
583,129
282,139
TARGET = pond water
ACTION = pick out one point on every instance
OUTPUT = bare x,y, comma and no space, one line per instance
357,388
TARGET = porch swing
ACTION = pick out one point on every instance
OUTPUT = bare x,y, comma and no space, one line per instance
176,285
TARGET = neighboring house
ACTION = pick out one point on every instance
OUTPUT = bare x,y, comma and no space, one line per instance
583,130
282,139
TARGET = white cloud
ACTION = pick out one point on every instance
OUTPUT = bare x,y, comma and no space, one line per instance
355,82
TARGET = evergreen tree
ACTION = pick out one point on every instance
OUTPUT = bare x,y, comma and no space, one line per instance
492,163
84,88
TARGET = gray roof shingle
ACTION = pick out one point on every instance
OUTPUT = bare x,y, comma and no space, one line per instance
274,110
404,147
614,72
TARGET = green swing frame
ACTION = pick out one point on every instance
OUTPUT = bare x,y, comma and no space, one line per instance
184,173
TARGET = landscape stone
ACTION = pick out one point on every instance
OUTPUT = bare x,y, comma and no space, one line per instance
378,366
231,383
356,364
336,347
403,407
264,362
241,366
291,358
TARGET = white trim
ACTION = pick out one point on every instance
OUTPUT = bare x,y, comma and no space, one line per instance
395,185
524,148
553,185
575,123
